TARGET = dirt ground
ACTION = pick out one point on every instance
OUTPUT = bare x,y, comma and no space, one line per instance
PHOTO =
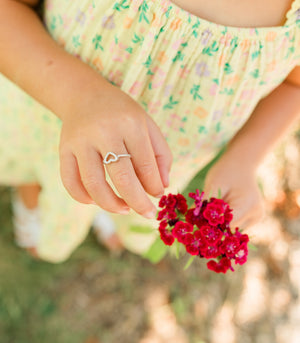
99,298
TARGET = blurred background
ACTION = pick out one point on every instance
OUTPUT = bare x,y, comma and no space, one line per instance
96,297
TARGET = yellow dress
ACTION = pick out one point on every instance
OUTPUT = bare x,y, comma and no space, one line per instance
198,80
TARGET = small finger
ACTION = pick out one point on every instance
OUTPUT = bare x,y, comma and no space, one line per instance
71,179
161,150
145,165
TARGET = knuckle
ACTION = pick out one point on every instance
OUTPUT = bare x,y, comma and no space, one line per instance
169,156
134,121
122,179
146,169
71,188
91,182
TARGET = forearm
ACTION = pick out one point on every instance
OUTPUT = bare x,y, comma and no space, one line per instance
31,58
273,116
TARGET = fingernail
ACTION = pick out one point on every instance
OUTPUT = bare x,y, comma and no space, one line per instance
151,214
124,211
159,196
93,203
167,181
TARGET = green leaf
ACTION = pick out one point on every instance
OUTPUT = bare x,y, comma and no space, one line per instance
189,262
157,251
141,229
219,193
252,247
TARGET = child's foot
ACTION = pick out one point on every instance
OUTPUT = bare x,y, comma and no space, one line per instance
26,224
105,231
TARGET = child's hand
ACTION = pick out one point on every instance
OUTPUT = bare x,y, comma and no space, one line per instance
236,183
105,121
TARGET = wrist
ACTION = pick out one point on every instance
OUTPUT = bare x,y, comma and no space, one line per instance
82,89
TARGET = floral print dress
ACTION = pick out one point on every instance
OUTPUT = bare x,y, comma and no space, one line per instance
198,80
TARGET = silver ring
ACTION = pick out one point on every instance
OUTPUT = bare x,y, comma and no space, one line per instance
111,157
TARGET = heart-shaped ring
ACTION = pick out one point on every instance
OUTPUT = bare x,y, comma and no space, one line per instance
111,157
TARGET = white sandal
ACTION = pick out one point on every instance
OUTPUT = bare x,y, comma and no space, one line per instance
106,233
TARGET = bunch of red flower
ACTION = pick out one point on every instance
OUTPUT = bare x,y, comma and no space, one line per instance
204,230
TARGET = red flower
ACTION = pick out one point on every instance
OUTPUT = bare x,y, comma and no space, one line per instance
228,215
163,224
181,203
241,255
212,251
187,239
214,213
168,201
190,217
167,237
199,221
230,246
221,267
166,214
198,201
181,229
197,244
171,202
211,234
243,238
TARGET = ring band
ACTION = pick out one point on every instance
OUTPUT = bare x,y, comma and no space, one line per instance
111,157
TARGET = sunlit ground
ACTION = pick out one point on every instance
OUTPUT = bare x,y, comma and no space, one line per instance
99,298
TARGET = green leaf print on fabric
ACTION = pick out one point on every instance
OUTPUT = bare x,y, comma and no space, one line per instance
218,127
97,41
256,53
210,50
255,73
161,30
167,13
143,12
227,91
202,129
195,92
170,105
75,41
121,5
228,69
53,24
137,39
148,63
224,31
290,51
234,44
195,28
179,56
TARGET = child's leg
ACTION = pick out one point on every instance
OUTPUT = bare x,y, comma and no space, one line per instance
105,229
29,194
26,216
27,221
